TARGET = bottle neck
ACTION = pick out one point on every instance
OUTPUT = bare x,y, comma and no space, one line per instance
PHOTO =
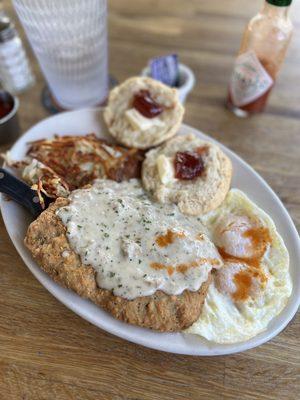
275,11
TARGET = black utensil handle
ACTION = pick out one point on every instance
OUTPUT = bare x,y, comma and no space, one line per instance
20,192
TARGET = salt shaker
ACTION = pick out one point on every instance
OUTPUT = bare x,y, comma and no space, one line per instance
15,72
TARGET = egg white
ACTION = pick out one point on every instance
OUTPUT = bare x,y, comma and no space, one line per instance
224,320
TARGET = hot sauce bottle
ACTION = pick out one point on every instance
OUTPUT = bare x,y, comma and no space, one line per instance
262,52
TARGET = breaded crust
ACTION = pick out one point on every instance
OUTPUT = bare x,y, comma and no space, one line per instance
46,239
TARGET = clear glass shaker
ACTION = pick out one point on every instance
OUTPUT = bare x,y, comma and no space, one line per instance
15,71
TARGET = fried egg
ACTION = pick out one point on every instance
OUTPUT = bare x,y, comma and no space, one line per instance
254,284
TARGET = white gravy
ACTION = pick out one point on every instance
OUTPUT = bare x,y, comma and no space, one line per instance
137,246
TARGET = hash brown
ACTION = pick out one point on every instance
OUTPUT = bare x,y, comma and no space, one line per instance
81,159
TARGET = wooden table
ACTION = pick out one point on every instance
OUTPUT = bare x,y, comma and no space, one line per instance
49,353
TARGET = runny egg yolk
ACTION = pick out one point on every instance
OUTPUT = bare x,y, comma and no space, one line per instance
242,244
239,280
239,237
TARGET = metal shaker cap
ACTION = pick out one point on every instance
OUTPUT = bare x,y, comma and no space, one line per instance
7,30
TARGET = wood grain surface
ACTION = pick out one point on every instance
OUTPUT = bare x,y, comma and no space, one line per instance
49,353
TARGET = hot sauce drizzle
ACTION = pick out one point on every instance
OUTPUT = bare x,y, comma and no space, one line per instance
243,282
182,268
260,238
168,238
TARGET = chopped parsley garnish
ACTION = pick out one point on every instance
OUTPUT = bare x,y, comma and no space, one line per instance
121,202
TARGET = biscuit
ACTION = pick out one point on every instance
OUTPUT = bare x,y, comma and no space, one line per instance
194,196
129,127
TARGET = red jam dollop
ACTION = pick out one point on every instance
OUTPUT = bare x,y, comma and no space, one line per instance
144,103
188,165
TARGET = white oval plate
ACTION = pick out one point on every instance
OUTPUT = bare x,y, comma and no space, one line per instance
245,178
